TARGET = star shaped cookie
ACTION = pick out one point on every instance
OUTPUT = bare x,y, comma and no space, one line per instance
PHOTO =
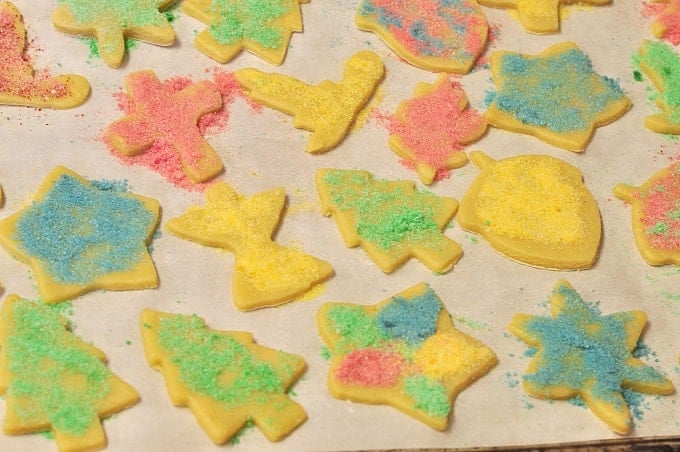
53,380
661,64
581,352
390,220
223,377
556,96
262,27
78,237
404,352
19,82
655,209
539,16
161,114
437,35
265,273
327,109
111,21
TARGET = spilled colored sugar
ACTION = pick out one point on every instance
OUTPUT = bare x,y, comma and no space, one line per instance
249,19
82,233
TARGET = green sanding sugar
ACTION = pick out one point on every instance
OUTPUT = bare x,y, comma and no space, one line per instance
249,19
207,361
429,395
128,13
42,357
660,58
358,329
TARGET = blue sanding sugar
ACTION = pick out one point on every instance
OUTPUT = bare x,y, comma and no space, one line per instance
81,232
581,344
412,320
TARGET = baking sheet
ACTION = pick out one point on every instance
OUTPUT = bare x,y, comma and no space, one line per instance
263,150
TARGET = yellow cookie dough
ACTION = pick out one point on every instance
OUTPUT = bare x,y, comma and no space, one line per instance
327,109
533,209
223,377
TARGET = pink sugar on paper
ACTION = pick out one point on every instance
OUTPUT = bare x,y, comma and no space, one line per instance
371,368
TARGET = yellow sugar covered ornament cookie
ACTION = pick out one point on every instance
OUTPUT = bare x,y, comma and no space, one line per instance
79,236
555,96
53,380
581,352
655,210
540,16
390,220
404,352
262,27
534,209
437,35
327,109
109,22
20,84
223,377
265,273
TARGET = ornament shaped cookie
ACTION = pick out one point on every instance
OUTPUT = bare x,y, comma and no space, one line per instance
390,220
79,236
437,35
223,377
661,64
109,22
265,273
656,215
666,24
555,96
431,129
20,84
534,209
404,352
263,27
53,380
581,352
171,117
327,109
540,16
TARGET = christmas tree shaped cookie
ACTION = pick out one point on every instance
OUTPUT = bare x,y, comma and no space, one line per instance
437,35
79,237
263,27
533,209
53,380
391,220
223,377
19,82
656,215
661,64
161,114
111,21
404,352
539,16
265,273
555,96
581,352
327,109
432,128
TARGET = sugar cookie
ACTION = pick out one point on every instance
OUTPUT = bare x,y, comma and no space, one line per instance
327,109
223,377
431,129
581,352
19,83
390,220
437,35
661,65
161,114
111,21
656,215
533,209
666,24
263,27
555,96
78,237
265,273
404,352
53,380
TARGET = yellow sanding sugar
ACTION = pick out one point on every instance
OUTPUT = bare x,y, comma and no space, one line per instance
452,352
531,199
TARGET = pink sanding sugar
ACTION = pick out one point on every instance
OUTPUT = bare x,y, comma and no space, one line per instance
371,367
661,212
667,15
